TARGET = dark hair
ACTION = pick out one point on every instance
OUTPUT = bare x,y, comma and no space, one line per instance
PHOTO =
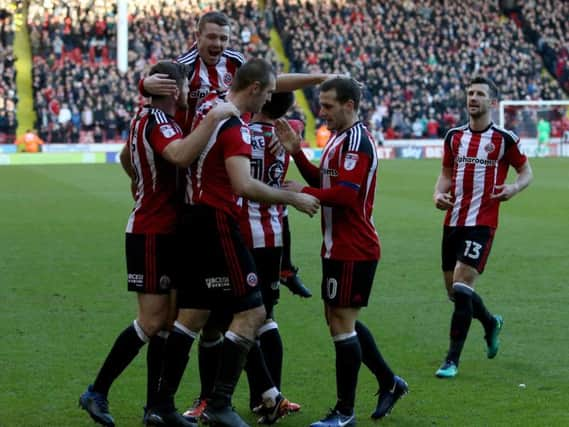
346,89
173,70
278,105
218,18
254,70
479,80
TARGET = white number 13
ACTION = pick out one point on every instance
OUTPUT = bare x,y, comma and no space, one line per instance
472,249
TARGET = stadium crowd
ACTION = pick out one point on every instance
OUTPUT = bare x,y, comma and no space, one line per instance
412,57
8,93
78,96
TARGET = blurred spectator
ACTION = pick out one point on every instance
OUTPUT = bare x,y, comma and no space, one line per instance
74,48
418,54
8,95
29,142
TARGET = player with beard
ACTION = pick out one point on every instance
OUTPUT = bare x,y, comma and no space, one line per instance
470,188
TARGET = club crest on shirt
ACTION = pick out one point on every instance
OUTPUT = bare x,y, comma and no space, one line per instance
168,131
245,134
350,161
227,79
252,279
489,147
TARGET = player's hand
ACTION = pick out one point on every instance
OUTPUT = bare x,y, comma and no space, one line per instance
289,139
159,84
275,147
295,187
306,203
224,110
505,191
443,201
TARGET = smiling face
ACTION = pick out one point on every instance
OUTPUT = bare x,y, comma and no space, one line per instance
479,100
212,40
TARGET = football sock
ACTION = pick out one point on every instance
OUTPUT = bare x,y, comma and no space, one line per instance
124,350
154,356
480,312
209,357
286,261
257,374
372,358
272,348
461,319
348,362
233,357
176,356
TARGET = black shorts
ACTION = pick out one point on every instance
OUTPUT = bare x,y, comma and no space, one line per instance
268,261
151,262
347,283
217,270
469,245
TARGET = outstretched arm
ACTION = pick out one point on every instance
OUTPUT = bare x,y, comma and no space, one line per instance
183,152
293,81
239,171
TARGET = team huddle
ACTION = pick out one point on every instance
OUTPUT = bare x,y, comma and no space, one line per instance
207,158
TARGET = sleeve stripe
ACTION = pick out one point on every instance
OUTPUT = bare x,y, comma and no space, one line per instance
235,55
188,57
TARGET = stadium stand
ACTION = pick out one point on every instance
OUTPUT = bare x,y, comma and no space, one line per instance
413,57
78,96
8,92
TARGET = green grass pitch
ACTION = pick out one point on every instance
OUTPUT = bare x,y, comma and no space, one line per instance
63,301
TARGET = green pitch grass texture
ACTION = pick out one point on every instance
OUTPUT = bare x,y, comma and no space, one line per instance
63,301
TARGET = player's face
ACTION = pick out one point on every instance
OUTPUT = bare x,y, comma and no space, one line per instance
212,41
478,100
182,101
260,95
336,114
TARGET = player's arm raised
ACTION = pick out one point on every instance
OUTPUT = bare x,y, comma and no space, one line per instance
244,185
290,140
292,81
183,152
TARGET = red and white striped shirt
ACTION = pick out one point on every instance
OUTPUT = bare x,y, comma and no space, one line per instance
205,78
154,210
207,181
347,190
261,223
479,162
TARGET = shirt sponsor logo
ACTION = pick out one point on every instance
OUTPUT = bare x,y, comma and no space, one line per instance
168,131
199,93
252,280
217,282
476,161
329,172
350,161
136,279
